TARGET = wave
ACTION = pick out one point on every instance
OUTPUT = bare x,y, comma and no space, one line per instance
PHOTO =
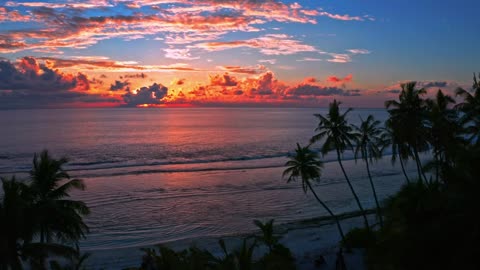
108,167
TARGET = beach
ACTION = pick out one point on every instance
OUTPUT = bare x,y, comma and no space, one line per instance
307,239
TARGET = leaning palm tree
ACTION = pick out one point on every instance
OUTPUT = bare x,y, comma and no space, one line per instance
306,166
407,119
57,218
399,150
370,144
338,135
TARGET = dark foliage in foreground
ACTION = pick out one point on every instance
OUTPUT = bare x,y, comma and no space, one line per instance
433,223
277,257
38,221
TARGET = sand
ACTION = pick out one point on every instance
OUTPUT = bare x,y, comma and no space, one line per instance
308,240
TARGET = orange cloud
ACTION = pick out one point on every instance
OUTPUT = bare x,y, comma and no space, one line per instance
335,79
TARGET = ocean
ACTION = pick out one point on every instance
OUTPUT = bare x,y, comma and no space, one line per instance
161,175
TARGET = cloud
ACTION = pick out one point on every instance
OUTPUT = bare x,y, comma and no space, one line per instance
270,44
316,90
309,59
245,70
30,84
136,76
339,58
182,54
223,80
119,85
7,15
152,94
269,61
107,65
335,79
359,51
437,84
179,81
65,25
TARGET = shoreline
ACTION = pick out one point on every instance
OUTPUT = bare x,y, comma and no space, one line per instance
306,238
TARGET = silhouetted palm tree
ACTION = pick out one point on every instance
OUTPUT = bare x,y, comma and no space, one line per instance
338,135
398,149
443,130
306,165
471,111
370,144
267,238
15,222
56,217
407,119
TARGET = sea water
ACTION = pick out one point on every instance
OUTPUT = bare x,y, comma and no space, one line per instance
159,175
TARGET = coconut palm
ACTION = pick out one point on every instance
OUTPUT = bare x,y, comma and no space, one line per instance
15,222
57,218
306,166
443,130
399,150
471,111
407,119
370,144
268,238
338,135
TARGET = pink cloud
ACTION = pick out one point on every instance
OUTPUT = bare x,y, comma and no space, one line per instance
270,44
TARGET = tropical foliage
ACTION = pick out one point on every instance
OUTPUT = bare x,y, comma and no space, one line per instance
38,219
337,135
431,223
306,165
277,257
371,140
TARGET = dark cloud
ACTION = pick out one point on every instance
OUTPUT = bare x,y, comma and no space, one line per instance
119,85
146,95
136,76
223,80
306,89
180,81
434,84
28,83
393,91
315,90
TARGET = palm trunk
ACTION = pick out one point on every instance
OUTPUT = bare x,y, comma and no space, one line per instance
403,169
353,190
419,165
379,211
328,210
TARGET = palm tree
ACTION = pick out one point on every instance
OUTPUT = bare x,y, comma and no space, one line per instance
15,222
267,237
471,109
306,165
338,136
398,149
57,217
370,144
408,116
443,130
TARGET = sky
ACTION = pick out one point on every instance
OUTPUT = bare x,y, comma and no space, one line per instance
181,53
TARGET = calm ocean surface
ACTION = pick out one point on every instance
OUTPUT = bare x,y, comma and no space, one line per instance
157,175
